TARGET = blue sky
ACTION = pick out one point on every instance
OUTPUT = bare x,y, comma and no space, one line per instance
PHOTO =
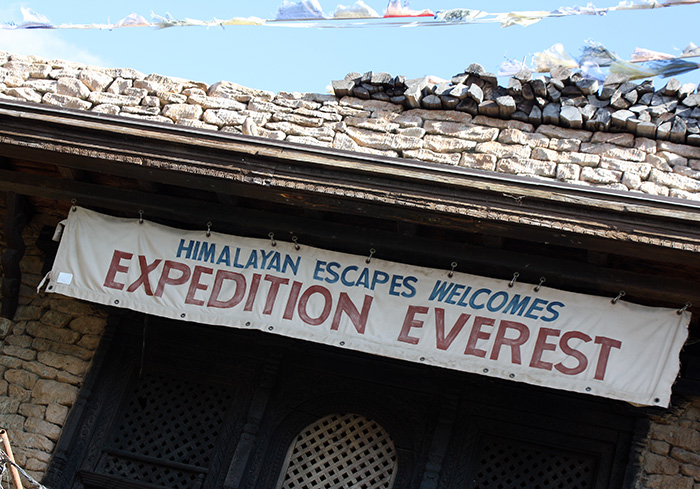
308,59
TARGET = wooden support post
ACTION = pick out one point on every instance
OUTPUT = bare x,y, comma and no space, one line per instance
14,224
8,451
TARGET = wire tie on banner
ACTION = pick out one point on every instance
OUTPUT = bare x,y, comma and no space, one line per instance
209,229
512,281
272,238
684,308
539,285
295,240
73,202
452,272
372,251
620,295
141,216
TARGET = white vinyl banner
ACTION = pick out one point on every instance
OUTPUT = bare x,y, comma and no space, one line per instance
545,337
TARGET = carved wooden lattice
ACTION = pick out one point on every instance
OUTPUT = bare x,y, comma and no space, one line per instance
166,432
341,451
508,464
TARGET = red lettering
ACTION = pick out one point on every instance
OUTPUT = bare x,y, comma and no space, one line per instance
572,352
477,334
358,319
443,343
303,301
166,279
275,283
114,267
196,285
221,277
254,284
541,346
292,301
146,269
605,345
409,322
514,343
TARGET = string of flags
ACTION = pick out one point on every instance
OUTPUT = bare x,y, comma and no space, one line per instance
594,57
397,13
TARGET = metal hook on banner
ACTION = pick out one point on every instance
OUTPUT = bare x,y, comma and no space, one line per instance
512,281
73,202
271,235
684,308
452,272
619,296
141,216
209,224
539,285
295,240
372,251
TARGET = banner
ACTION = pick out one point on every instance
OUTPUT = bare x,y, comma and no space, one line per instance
524,333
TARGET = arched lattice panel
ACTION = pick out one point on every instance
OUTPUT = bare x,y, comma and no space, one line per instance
340,451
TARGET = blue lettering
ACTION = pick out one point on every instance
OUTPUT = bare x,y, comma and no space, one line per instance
206,253
252,259
550,309
407,283
536,306
456,290
472,301
235,259
516,306
463,300
363,279
289,263
187,249
396,281
379,278
225,257
491,307
195,250
318,270
440,290
343,277
334,275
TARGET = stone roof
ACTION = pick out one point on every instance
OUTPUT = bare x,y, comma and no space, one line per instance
617,135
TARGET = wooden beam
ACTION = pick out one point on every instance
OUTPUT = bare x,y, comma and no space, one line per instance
563,274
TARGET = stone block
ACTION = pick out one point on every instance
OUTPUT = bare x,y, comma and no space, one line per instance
41,427
600,175
638,168
50,391
680,149
631,180
504,150
32,410
524,166
21,378
178,112
482,120
11,421
343,141
55,319
669,482
659,464
17,352
41,344
56,414
617,138
613,151
427,155
373,124
464,131
515,136
654,189
65,101
674,435
564,133
32,441
324,133
238,92
443,144
65,336
478,161
674,180
70,364
382,141
28,313
564,144
19,393
568,171
9,405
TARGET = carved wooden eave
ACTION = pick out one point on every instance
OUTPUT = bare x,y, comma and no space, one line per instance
580,238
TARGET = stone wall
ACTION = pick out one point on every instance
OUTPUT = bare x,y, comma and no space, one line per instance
671,455
614,157
45,354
